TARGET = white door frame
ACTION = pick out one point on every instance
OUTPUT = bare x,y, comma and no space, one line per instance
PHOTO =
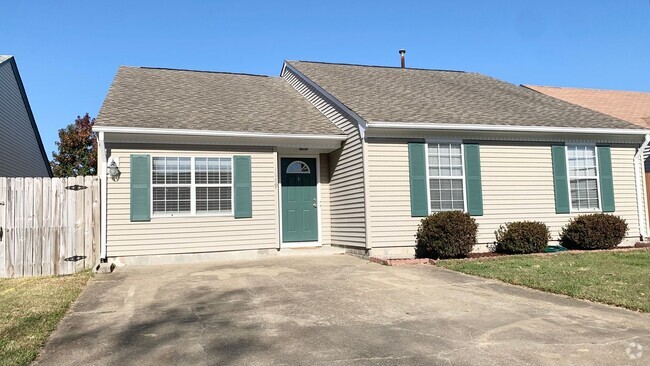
301,244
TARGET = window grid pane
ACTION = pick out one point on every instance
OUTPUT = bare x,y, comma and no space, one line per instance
445,177
583,177
213,199
172,199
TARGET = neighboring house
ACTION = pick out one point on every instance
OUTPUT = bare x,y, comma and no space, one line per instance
349,156
630,106
21,149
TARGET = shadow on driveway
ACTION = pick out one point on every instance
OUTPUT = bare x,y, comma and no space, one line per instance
332,310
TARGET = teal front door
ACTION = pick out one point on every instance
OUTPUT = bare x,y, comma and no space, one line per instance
299,200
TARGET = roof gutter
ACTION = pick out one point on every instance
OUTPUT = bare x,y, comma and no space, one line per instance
501,128
187,132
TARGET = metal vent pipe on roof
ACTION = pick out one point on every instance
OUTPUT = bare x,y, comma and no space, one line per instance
402,53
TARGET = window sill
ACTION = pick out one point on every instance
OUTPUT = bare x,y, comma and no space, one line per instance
586,210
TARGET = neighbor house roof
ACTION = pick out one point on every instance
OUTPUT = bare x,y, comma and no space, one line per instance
216,101
627,105
19,134
391,94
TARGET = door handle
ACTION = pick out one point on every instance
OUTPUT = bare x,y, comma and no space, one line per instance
314,204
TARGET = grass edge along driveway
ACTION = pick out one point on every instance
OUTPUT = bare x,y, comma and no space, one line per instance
620,278
30,309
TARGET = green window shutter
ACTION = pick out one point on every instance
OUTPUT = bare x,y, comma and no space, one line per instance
418,179
560,179
242,186
473,179
140,188
606,179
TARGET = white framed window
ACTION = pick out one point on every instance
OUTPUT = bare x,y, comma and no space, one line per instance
446,176
191,185
582,166
213,185
171,184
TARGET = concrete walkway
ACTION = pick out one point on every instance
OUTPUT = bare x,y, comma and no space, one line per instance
335,310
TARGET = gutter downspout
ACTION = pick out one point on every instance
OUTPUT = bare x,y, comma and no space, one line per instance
640,199
103,185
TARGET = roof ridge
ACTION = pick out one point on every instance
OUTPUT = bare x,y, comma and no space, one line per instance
530,86
376,66
198,71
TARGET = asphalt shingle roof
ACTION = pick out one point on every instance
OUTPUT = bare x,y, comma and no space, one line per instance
630,106
390,94
183,99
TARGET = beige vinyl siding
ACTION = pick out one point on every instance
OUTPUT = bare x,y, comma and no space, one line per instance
517,184
20,152
193,234
348,223
325,209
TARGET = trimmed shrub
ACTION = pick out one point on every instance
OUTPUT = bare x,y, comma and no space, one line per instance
522,237
593,231
448,234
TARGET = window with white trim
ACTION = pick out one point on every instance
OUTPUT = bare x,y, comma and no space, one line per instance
446,177
213,180
184,185
583,177
172,185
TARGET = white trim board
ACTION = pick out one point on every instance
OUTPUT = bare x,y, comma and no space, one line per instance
137,135
502,128
187,132
103,160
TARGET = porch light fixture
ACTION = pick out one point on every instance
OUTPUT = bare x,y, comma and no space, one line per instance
114,171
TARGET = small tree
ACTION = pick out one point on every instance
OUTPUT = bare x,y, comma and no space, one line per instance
77,149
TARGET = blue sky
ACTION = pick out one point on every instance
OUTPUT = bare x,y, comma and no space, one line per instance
69,51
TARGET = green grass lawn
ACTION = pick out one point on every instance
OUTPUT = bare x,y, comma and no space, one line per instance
30,309
614,277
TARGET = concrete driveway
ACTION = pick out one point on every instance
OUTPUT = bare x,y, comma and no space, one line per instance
335,310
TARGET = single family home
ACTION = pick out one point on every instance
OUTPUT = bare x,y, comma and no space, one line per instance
346,156
19,135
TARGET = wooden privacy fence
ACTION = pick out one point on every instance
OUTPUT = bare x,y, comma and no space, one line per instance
50,226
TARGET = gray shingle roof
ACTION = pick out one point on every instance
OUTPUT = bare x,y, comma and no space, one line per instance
390,94
165,98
